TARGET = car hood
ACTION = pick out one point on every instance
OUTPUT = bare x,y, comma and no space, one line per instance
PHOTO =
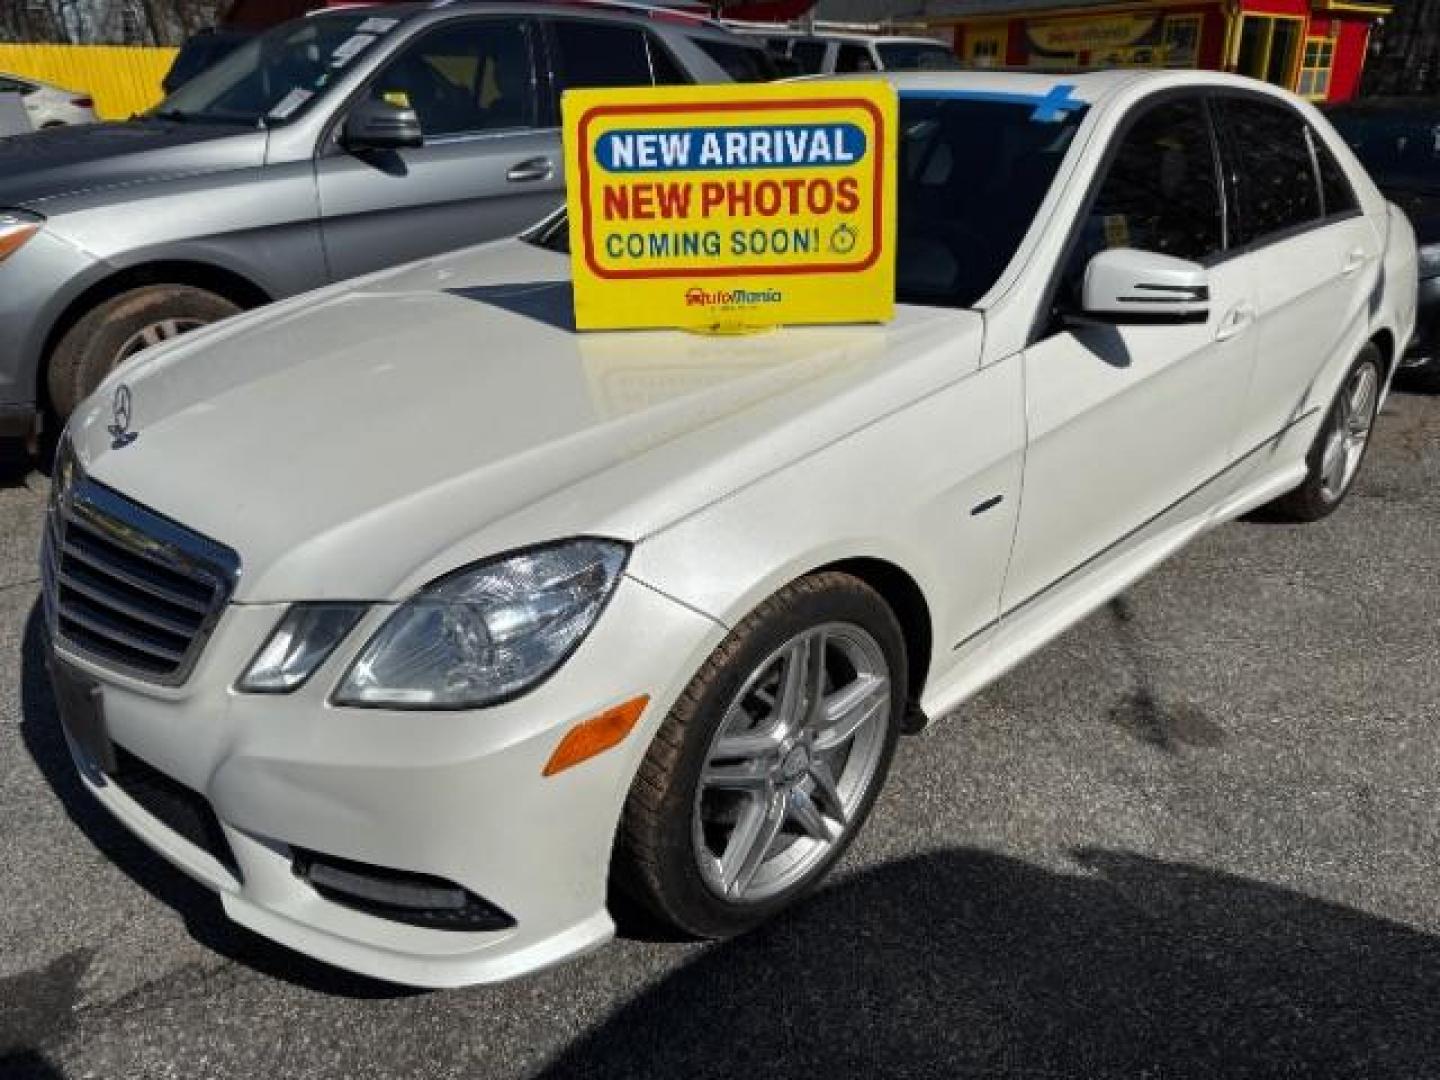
40,167
365,439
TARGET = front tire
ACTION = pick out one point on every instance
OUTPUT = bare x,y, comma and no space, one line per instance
769,763
112,332
1339,449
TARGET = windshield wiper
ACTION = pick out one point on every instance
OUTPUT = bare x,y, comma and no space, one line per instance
177,115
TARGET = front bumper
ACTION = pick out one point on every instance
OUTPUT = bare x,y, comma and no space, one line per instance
457,795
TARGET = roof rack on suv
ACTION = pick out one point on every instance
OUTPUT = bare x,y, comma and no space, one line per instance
825,26
680,12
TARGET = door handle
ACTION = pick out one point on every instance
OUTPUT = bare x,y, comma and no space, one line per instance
1354,261
1236,321
538,168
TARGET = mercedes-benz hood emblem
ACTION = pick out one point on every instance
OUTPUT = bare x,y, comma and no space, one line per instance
120,411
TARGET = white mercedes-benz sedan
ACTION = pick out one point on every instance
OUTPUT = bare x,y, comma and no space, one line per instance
407,618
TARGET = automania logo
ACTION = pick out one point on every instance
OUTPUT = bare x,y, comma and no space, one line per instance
695,296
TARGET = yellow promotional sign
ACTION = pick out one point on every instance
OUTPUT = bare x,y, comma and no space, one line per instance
728,208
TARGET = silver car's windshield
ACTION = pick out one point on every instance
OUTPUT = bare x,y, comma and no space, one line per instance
974,168
274,78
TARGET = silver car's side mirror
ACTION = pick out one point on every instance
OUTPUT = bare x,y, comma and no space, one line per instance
1124,285
376,124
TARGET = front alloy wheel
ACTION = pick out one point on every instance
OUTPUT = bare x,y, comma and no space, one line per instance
768,765
795,755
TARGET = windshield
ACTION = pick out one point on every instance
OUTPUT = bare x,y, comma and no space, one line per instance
973,172
274,78
1399,149
916,56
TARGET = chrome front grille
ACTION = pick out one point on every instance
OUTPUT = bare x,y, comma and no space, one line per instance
126,587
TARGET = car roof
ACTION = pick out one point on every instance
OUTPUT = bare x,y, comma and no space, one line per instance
1090,87
829,35
610,10
751,29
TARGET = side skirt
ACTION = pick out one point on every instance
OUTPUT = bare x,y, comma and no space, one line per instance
1268,471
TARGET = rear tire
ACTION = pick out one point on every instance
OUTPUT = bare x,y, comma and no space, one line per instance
769,763
121,327
1339,449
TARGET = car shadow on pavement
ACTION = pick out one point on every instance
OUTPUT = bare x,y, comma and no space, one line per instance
15,465
968,963
200,909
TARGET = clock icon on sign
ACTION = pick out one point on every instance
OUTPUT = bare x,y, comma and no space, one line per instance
842,240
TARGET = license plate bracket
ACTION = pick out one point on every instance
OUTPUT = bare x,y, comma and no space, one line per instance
82,714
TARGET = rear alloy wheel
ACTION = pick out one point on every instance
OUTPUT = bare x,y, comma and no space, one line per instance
120,328
768,765
1339,449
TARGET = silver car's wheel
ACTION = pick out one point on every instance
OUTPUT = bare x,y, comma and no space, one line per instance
767,765
795,755
155,334
126,324
1349,432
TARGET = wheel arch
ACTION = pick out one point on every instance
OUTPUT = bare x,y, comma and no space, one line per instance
902,593
1384,340
235,287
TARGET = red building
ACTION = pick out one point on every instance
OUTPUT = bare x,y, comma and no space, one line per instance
1315,47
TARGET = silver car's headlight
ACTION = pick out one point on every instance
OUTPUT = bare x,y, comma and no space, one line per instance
1429,257
486,633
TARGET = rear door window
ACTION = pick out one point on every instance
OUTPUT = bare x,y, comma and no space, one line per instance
665,68
1268,149
809,56
593,54
743,63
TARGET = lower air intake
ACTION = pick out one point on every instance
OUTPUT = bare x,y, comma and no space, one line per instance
398,895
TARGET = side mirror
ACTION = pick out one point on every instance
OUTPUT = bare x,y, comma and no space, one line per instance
375,124
1124,285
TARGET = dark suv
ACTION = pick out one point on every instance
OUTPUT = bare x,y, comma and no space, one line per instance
330,146
1398,141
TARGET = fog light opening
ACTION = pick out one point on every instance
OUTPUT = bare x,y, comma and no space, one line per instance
399,895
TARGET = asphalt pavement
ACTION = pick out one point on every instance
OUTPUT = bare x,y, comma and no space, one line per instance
1195,837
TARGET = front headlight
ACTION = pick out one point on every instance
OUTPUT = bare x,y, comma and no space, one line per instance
486,633
16,229
1429,257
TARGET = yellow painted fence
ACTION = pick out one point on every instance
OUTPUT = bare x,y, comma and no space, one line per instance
122,79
